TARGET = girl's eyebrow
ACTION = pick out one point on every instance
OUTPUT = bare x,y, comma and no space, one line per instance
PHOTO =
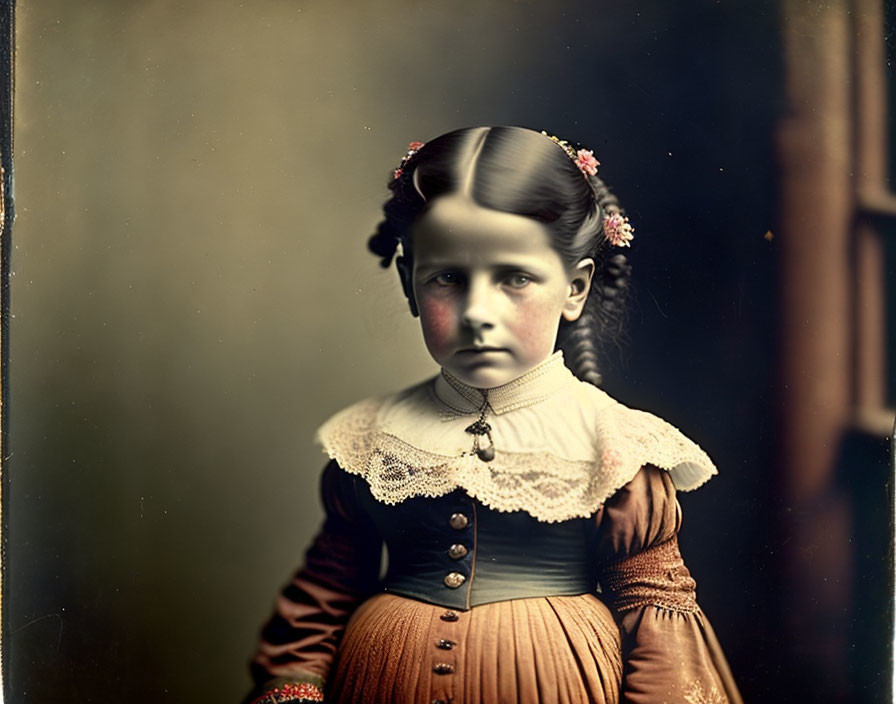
531,264
429,264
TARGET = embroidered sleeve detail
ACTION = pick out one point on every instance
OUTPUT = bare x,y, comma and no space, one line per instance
291,692
697,694
656,576
541,482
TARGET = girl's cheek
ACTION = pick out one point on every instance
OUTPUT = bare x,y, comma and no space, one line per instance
439,321
534,325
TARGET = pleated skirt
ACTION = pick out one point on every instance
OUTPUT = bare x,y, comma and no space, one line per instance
546,650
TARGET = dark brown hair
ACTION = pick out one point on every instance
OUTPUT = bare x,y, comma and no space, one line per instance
521,171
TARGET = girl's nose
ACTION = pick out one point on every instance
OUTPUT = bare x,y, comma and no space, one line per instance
477,314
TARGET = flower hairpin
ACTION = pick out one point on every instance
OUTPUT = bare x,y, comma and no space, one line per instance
586,162
413,148
583,158
617,228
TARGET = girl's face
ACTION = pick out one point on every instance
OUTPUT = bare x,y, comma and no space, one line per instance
490,290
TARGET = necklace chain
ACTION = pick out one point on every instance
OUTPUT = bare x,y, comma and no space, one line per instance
481,428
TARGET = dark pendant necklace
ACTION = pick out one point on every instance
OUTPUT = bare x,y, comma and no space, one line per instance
481,429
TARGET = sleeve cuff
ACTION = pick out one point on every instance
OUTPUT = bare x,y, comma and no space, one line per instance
288,690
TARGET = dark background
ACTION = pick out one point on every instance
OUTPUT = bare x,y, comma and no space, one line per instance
191,296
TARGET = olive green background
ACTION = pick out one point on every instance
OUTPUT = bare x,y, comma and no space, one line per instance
191,294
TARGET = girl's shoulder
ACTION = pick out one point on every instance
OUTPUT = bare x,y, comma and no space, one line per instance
366,414
635,436
353,434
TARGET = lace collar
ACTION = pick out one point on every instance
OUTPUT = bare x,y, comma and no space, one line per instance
561,446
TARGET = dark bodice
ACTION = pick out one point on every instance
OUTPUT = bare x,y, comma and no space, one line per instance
455,552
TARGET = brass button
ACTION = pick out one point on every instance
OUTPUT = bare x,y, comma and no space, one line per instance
443,668
454,579
449,616
457,551
445,644
458,521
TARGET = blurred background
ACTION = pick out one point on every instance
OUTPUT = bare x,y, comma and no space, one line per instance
191,297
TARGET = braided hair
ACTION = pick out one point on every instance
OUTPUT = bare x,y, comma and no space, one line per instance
523,172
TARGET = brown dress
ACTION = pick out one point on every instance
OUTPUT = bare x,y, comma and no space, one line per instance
639,637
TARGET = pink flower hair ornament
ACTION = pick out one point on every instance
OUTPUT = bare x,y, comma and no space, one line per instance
617,228
583,158
413,148
586,162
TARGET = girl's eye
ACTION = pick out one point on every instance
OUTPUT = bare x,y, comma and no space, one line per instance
518,280
447,278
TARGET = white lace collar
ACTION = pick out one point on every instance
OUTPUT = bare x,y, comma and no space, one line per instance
562,446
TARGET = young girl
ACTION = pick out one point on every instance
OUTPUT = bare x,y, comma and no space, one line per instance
530,519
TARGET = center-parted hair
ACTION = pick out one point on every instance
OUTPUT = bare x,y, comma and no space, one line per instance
523,172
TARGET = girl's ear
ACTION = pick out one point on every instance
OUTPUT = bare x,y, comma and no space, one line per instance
579,286
407,283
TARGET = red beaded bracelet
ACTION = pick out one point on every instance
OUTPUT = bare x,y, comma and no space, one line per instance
300,691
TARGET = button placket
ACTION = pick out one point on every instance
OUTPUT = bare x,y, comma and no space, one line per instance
458,521
444,655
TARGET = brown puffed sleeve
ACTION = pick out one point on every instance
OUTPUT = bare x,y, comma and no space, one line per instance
341,570
670,651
